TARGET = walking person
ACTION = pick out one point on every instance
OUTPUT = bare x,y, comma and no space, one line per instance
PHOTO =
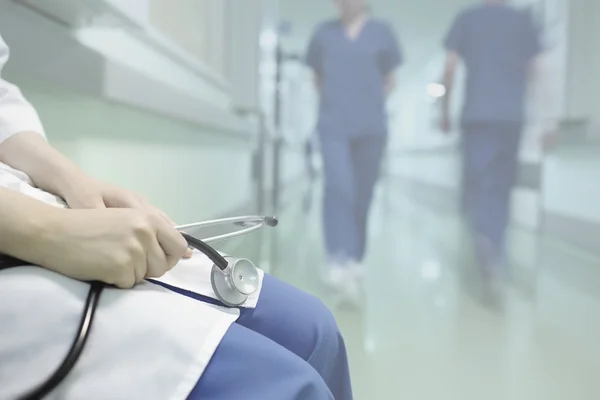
498,45
354,58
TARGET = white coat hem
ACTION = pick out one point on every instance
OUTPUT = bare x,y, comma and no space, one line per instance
205,354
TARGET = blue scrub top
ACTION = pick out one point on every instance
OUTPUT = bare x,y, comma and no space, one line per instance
497,43
352,72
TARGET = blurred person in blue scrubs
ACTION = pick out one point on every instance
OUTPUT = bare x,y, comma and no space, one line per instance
499,46
354,58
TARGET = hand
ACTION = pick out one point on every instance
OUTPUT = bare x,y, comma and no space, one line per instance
121,247
88,193
445,123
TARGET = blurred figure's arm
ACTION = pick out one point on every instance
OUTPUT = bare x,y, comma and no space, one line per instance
390,60
390,83
448,80
454,45
314,58
544,100
540,84
318,81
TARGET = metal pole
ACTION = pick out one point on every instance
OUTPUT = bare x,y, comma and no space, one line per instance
258,158
259,165
278,140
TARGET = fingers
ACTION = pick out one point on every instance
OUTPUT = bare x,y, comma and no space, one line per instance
93,202
172,243
115,197
189,253
150,208
140,268
86,202
121,198
132,265
164,216
158,262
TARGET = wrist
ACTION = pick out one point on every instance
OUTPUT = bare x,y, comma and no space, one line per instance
27,226
45,238
67,181
48,169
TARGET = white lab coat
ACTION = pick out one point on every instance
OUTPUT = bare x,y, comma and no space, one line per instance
146,343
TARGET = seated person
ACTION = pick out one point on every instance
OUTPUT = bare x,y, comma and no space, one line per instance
148,341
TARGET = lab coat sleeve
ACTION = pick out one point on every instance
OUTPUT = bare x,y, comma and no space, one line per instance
16,113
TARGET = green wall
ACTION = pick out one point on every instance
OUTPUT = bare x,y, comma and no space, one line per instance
189,171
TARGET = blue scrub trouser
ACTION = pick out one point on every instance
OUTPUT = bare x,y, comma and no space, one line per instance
351,168
287,348
490,165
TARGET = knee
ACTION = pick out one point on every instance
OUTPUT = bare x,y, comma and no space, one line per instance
322,328
312,385
323,320
297,320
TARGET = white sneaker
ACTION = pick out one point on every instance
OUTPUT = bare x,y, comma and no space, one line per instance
357,270
343,280
352,290
336,276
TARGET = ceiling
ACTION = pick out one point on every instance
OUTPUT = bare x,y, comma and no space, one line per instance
420,24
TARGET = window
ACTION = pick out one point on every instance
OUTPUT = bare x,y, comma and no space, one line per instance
197,26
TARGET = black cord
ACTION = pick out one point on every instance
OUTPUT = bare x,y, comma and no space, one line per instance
87,319
211,253
85,326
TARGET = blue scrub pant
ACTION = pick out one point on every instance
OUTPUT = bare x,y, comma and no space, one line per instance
287,348
490,166
351,168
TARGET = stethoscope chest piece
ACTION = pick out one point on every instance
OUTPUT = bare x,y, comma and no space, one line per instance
233,285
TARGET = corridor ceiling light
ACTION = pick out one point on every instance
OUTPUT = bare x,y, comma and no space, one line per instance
436,90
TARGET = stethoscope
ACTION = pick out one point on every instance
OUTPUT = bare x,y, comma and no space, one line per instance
233,280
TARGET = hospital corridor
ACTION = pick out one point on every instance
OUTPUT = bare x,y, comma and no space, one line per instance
422,332
299,200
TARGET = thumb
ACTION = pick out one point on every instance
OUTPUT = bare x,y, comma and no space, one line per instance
87,202
97,202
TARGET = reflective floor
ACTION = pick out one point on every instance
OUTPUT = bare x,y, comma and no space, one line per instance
424,333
